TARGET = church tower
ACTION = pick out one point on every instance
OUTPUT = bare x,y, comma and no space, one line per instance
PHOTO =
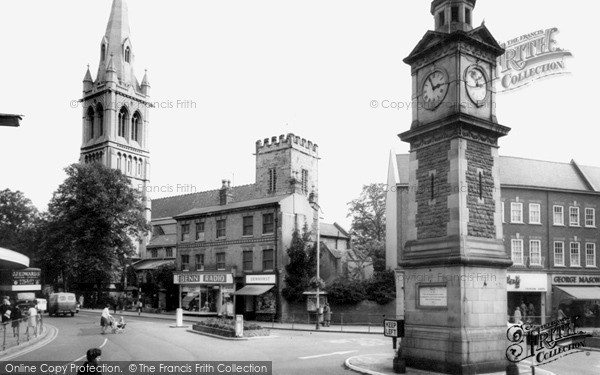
454,260
116,108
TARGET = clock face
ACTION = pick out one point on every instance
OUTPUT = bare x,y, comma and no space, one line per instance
476,83
435,88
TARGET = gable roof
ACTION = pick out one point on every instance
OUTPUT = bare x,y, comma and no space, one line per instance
175,205
332,230
166,240
522,172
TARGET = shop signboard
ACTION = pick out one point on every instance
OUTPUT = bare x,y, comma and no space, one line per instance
526,282
581,280
202,278
27,279
260,279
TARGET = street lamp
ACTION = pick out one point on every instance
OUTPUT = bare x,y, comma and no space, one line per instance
312,200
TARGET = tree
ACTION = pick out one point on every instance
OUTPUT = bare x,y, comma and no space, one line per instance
19,222
368,226
93,218
302,265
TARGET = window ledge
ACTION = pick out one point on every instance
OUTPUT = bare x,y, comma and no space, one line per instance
517,222
592,266
558,225
591,226
530,223
268,234
559,266
574,266
574,225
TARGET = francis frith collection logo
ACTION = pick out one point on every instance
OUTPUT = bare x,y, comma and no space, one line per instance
544,343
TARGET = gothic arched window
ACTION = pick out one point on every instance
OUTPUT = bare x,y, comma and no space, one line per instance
89,121
123,117
135,126
127,54
100,116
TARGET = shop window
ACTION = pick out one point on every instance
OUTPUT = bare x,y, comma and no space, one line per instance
268,224
559,218
575,260
248,225
199,262
221,228
185,262
247,260
590,255
200,231
559,254
590,217
185,232
220,261
267,260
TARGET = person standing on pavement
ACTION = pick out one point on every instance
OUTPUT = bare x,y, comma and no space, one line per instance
139,307
32,319
327,314
105,319
16,320
5,310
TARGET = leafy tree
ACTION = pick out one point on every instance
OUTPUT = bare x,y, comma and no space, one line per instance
381,288
19,223
93,217
301,267
368,226
346,291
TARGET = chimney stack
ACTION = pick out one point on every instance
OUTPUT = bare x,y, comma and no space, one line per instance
225,194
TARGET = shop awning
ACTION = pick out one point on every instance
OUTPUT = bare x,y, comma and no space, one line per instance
152,264
253,290
581,293
10,259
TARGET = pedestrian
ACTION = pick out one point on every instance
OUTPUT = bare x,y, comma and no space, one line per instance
327,314
32,319
139,307
523,309
531,312
16,320
105,319
517,316
91,365
114,305
81,301
5,310
561,314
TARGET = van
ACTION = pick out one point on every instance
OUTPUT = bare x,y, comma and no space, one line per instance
62,303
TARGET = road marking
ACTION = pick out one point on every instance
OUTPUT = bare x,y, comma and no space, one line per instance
85,356
328,354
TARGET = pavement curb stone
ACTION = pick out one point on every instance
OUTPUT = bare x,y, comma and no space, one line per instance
48,335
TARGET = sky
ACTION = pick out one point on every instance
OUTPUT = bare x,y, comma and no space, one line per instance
248,70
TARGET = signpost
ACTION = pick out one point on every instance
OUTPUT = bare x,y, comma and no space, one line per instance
395,329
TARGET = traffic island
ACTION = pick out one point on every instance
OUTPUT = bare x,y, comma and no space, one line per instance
226,328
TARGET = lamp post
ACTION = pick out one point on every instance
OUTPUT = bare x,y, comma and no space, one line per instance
315,206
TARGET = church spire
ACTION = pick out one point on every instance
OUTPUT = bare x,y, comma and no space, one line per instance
453,15
116,43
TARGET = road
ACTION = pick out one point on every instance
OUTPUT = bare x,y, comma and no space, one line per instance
292,352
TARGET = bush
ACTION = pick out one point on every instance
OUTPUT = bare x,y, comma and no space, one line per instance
346,291
381,288
227,324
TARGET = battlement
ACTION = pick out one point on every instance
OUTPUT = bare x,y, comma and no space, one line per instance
286,141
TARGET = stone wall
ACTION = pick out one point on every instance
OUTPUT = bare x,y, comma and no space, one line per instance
480,198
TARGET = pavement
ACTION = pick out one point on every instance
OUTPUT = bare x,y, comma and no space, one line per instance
372,364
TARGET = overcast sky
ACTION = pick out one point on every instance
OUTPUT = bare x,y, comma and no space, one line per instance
256,69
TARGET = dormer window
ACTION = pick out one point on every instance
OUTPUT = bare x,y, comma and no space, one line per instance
127,54
454,14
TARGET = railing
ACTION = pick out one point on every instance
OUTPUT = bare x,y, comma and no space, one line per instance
339,321
16,332
529,319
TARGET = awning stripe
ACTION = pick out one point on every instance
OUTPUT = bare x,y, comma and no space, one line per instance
253,290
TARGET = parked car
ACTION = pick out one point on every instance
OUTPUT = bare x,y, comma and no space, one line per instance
62,303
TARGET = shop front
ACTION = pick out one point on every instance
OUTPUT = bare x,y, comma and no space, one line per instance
24,284
258,297
204,293
578,295
529,290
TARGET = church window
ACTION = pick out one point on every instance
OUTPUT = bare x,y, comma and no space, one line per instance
119,161
100,111
122,121
129,165
135,126
304,181
89,119
272,179
127,54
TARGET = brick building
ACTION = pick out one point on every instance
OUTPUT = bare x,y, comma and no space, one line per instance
230,243
549,230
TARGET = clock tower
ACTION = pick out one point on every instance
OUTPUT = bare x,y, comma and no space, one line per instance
454,260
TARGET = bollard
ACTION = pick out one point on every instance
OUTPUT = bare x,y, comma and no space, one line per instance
179,318
239,325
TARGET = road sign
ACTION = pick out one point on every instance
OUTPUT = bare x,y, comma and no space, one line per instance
393,328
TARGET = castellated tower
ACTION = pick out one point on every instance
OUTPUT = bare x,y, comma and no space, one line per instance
286,165
116,108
